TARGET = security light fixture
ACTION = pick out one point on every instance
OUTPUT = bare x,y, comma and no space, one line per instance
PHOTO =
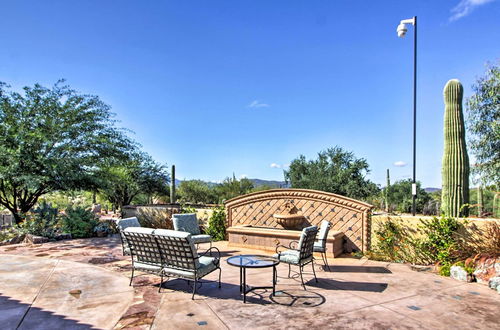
402,26
401,33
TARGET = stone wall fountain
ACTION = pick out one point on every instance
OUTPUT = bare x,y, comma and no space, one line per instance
289,219
265,219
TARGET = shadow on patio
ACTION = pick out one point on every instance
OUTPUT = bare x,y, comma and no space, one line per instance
18,315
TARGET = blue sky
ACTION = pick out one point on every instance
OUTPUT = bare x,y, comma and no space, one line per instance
217,87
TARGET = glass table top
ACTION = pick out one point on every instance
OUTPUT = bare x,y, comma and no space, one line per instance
252,261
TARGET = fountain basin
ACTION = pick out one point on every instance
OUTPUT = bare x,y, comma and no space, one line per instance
289,221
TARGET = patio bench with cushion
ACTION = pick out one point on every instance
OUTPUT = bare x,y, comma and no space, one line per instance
188,222
169,253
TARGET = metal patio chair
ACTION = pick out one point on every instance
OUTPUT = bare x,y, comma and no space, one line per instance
302,255
320,244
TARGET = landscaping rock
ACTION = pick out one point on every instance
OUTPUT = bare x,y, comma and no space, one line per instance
494,283
63,236
33,239
96,208
486,268
14,240
458,273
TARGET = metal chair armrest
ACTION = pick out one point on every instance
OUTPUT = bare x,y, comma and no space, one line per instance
291,245
210,250
284,247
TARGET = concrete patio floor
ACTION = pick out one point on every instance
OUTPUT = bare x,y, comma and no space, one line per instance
84,284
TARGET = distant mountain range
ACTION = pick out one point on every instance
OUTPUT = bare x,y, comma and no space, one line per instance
282,184
256,183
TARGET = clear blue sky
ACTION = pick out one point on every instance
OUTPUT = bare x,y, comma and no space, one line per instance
217,87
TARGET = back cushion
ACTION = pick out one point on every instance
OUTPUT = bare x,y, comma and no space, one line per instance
186,222
127,222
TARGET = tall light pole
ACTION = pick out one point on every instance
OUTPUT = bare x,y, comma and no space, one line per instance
401,33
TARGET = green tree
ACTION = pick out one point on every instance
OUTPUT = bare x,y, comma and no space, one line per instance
52,139
196,191
399,196
484,126
232,187
336,170
138,175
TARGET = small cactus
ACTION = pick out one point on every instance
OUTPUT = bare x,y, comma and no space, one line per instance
387,192
455,171
172,185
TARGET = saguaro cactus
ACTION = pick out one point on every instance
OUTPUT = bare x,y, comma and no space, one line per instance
479,201
172,185
455,171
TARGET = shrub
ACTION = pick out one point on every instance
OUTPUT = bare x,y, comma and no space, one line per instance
42,221
79,222
441,239
389,239
217,224
187,209
444,270
102,228
491,244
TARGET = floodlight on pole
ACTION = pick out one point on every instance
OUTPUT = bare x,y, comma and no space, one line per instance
401,33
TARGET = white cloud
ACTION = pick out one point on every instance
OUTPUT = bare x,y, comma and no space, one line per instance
465,7
244,176
258,104
274,165
400,163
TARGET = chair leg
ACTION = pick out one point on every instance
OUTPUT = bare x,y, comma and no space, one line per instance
301,278
194,288
220,272
289,270
131,277
161,282
314,272
326,261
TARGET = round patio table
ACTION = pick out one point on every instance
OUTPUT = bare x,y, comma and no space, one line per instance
245,261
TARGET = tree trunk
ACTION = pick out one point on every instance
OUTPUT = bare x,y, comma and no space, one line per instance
17,217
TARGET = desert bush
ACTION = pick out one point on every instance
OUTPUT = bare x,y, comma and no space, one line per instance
491,242
41,221
79,222
441,239
217,224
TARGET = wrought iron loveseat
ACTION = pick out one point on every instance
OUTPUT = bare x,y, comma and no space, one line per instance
169,253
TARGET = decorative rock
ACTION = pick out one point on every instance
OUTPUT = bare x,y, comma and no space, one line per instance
63,236
33,239
458,273
486,268
14,240
494,283
96,208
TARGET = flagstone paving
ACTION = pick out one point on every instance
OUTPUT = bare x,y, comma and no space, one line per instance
84,284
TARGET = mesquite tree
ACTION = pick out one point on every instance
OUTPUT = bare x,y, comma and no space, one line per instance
53,139
484,126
